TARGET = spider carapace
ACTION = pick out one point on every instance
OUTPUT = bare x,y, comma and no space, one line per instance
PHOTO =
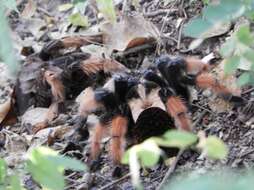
138,106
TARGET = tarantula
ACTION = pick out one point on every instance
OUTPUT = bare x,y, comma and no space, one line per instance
163,88
132,104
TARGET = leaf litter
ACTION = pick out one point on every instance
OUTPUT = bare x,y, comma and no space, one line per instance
44,23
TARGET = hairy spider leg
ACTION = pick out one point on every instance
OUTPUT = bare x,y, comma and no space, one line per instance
99,131
206,80
174,104
118,132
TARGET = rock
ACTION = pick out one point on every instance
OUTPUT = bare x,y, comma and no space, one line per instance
34,116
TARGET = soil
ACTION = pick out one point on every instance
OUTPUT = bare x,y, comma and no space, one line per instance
238,135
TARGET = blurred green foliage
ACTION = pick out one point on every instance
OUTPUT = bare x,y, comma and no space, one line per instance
226,180
46,167
238,49
7,54
148,153
107,8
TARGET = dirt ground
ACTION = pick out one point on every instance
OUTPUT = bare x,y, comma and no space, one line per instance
224,123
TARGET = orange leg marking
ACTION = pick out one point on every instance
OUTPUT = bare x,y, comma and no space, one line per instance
118,131
178,111
96,139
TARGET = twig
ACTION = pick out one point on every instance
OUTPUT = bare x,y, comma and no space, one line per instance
247,153
135,49
181,25
126,7
44,11
180,34
160,12
203,108
115,182
171,169
201,115
161,32
248,91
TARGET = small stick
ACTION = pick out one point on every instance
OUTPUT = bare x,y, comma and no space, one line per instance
180,35
135,49
203,108
201,115
160,12
248,91
171,169
115,182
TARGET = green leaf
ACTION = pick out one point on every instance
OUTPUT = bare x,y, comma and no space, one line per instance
149,153
3,170
80,5
244,79
244,35
219,180
249,55
47,167
179,139
224,11
15,183
78,19
67,163
196,28
6,49
231,65
10,4
215,148
228,48
65,7
126,157
206,2
106,7
43,171
250,14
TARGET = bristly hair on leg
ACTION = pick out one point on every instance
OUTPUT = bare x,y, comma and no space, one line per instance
99,131
177,109
118,131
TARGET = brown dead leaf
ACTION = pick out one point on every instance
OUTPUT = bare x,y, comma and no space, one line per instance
7,113
130,32
4,109
95,64
29,9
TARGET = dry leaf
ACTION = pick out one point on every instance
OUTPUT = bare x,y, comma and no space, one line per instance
7,113
4,109
29,9
130,32
34,116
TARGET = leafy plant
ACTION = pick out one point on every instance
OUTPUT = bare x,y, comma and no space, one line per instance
9,4
6,48
107,8
46,167
147,154
77,18
215,180
238,50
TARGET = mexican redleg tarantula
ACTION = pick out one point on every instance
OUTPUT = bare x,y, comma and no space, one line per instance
124,99
133,104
